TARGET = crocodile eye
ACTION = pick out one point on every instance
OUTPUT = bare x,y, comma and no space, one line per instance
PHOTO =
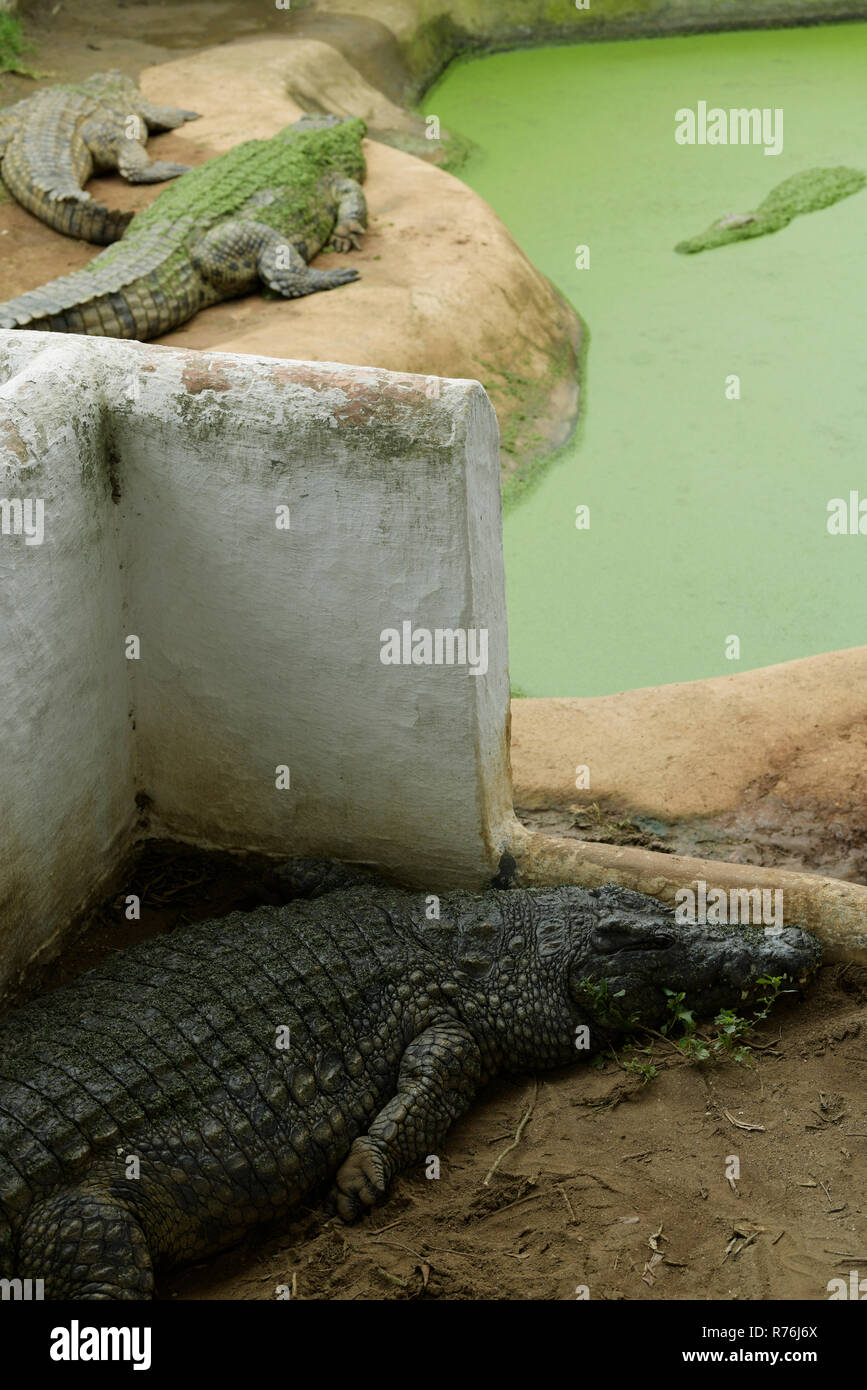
613,936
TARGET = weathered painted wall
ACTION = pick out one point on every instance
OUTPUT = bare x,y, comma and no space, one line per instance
161,472
66,764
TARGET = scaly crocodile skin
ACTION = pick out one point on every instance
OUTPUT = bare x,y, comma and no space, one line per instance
206,1081
52,143
255,215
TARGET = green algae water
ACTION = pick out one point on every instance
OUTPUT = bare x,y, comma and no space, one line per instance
708,515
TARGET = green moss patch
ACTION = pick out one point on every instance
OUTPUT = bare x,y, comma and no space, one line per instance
285,170
13,46
518,403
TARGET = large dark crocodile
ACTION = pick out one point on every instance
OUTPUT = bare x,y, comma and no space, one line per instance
203,1082
256,214
53,142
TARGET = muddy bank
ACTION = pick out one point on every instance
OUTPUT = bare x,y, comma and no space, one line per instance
760,768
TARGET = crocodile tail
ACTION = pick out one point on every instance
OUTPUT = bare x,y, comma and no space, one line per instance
76,216
130,294
70,304
88,221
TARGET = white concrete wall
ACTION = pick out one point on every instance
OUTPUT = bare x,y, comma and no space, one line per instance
66,772
161,471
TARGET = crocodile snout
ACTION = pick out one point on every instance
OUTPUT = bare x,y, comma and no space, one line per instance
633,964
788,951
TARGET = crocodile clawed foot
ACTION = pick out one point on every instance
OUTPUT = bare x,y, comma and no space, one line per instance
170,120
332,278
168,117
159,170
361,1182
292,284
347,237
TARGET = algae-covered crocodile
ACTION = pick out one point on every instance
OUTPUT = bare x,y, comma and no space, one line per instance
255,215
166,1102
807,192
53,142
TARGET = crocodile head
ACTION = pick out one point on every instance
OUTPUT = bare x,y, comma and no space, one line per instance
624,956
730,227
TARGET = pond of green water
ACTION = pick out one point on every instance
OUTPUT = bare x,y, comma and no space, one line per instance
708,515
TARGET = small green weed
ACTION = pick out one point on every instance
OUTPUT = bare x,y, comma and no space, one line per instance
13,45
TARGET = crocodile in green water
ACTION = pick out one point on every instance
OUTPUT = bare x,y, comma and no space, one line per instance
257,214
807,192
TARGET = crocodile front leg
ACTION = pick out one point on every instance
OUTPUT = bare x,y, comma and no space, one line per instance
136,166
234,255
440,1073
284,270
160,118
351,214
119,143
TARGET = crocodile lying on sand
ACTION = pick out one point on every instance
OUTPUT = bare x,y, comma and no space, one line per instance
53,142
166,1102
256,214
807,192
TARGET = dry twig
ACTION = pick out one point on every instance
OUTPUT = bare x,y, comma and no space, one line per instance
517,1139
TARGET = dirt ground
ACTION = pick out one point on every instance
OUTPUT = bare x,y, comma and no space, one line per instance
617,1183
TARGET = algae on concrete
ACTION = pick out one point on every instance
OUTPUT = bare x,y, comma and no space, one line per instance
431,32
